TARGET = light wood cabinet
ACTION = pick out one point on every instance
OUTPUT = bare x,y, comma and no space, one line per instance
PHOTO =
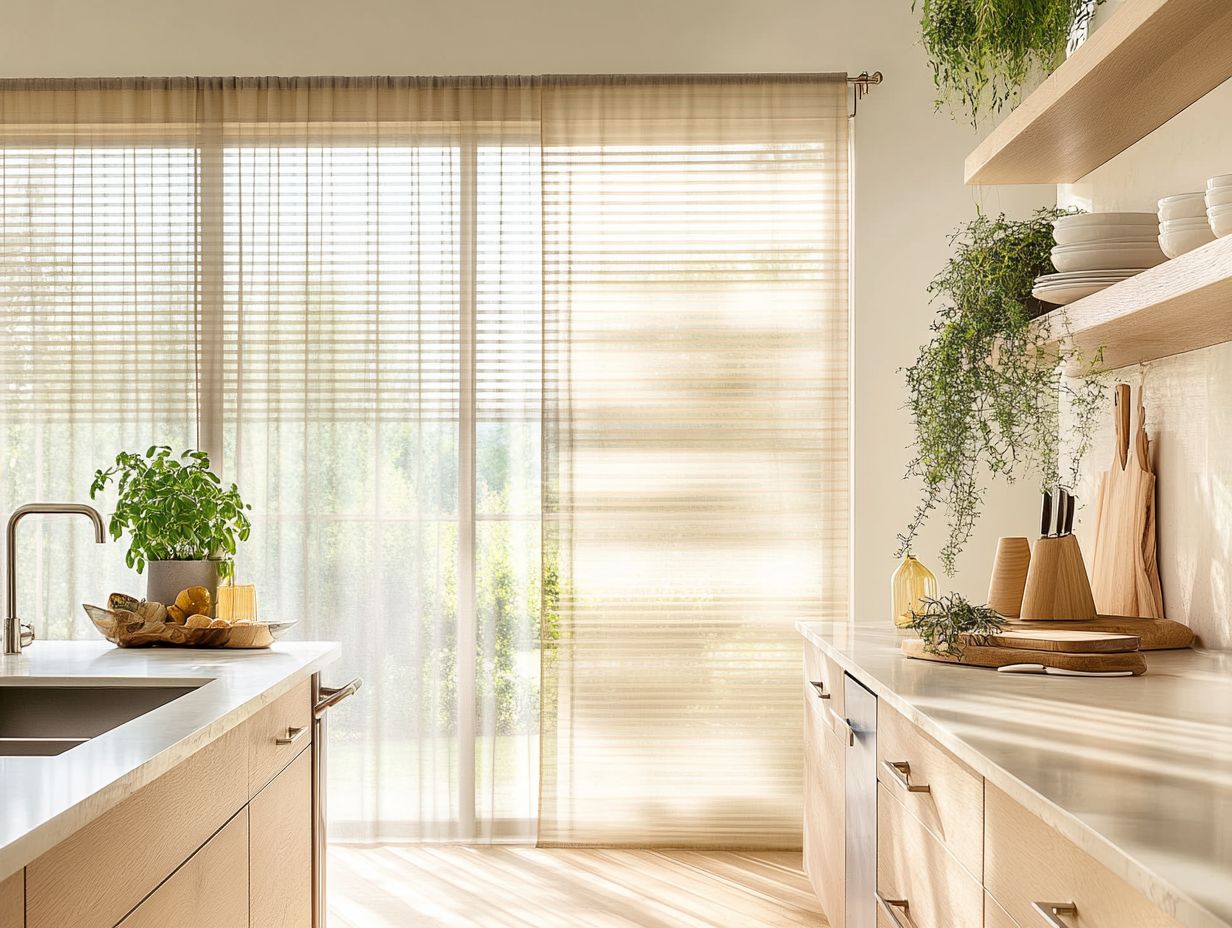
961,855
940,791
1028,862
824,813
277,734
96,877
13,901
281,849
914,867
194,848
210,889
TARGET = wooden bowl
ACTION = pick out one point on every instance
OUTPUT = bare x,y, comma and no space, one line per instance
128,630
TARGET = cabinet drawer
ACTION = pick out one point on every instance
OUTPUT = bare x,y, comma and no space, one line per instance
13,901
96,877
210,889
824,811
281,849
913,866
995,916
937,788
277,734
1028,862
822,670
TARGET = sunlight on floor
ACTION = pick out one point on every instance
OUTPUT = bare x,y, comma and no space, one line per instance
508,887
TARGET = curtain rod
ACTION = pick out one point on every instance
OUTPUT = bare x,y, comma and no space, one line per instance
861,84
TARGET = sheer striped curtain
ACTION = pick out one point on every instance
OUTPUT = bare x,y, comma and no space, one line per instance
696,506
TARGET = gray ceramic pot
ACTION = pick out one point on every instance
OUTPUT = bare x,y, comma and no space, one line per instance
165,579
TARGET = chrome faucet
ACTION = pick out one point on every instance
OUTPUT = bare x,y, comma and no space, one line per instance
18,634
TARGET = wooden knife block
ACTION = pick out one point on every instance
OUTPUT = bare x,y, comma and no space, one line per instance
1058,587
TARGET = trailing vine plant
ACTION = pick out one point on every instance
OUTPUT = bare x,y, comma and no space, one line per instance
986,392
983,52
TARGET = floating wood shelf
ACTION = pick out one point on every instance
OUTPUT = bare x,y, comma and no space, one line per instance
1149,61
1181,305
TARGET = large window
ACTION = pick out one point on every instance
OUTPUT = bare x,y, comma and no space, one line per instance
538,388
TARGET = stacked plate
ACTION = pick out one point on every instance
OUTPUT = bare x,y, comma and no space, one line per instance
1183,225
1097,250
1219,204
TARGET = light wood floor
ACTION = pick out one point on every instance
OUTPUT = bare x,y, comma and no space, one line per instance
506,887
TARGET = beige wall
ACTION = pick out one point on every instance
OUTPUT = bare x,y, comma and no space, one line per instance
1188,397
908,165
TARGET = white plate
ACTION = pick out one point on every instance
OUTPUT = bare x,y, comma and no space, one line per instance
1047,280
1105,219
1064,295
1106,256
1221,180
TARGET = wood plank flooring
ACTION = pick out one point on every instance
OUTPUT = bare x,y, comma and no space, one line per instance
519,887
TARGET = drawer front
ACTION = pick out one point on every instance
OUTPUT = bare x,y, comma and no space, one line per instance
995,916
942,792
277,734
1028,862
210,889
13,901
281,849
820,669
96,877
824,811
913,866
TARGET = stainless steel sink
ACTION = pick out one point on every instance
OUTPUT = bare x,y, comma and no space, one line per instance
47,719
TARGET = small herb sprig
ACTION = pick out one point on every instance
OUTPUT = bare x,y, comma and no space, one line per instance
944,620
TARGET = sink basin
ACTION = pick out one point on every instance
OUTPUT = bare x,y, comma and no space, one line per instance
47,719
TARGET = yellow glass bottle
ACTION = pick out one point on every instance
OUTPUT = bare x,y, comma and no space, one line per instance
910,583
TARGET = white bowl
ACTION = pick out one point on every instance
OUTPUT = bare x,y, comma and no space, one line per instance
1183,225
1221,224
1107,256
1218,196
1182,206
1221,180
1083,235
1175,244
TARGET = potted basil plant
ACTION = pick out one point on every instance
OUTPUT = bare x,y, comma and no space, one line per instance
182,522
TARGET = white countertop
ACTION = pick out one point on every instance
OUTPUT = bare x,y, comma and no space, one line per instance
1137,771
43,800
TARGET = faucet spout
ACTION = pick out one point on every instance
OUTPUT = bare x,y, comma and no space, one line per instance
16,633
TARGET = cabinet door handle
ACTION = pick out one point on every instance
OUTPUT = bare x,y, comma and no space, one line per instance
292,735
839,724
820,688
892,907
332,695
1051,912
900,773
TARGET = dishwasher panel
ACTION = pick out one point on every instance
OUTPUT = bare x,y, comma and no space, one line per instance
861,823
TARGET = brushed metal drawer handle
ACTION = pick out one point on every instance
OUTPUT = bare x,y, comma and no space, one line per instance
820,687
892,906
292,735
838,723
1051,912
900,773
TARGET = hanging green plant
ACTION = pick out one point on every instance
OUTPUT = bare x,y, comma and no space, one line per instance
985,394
983,52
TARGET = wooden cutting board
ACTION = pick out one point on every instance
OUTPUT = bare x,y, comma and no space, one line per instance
977,656
1153,634
1124,569
1068,641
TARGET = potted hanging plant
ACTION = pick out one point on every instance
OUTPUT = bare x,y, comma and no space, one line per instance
984,52
985,394
182,523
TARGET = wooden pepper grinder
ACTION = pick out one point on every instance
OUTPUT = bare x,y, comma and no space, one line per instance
1058,587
